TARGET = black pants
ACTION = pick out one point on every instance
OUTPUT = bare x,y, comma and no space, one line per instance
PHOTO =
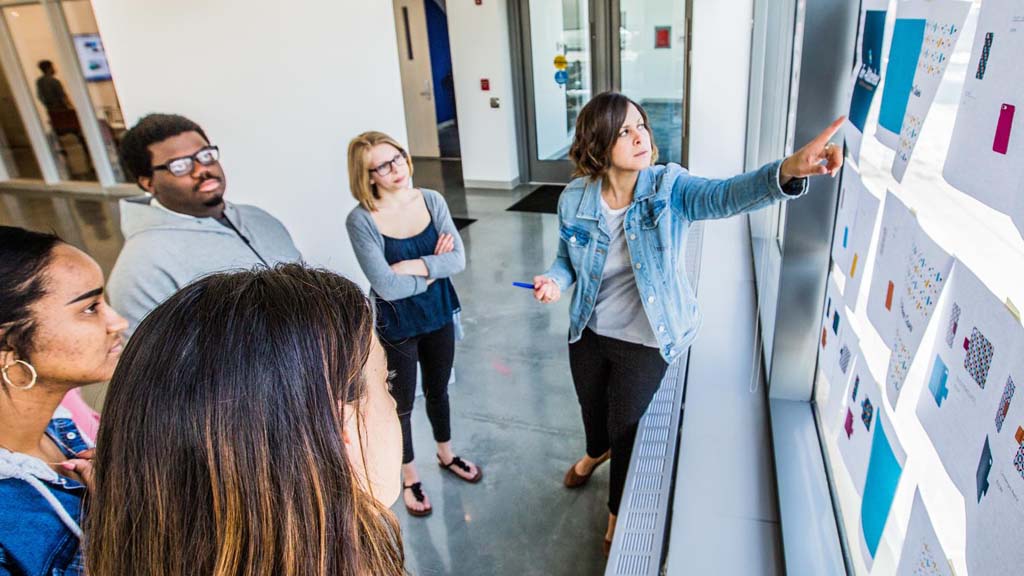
615,381
434,352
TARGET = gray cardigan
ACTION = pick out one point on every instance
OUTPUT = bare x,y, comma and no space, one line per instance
368,244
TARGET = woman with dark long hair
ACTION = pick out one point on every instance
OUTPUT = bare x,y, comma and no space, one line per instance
57,333
623,226
248,430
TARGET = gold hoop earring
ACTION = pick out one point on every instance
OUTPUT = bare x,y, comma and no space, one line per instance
29,367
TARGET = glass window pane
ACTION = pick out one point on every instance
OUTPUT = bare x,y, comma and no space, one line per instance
561,71
92,58
15,148
37,49
651,42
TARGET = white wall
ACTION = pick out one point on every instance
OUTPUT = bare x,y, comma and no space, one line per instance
720,75
479,37
281,87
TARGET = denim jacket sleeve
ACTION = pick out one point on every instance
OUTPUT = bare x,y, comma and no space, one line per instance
450,264
696,198
561,270
369,248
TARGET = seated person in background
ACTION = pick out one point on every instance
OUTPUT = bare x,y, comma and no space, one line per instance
183,228
249,430
56,334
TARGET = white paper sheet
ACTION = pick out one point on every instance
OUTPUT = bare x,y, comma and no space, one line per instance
994,523
855,223
922,552
910,271
861,405
974,368
942,30
867,72
986,153
924,36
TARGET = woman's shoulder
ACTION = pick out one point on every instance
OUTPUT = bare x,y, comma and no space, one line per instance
432,198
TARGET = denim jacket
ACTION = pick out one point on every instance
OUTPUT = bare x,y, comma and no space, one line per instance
666,200
40,510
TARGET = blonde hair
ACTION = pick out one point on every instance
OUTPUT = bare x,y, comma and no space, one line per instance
362,187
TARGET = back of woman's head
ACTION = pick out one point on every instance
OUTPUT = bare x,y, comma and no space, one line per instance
24,256
221,447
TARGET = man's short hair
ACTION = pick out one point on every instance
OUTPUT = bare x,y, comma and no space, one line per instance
45,65
153,128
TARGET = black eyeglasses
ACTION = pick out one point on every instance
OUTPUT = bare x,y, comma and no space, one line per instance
386,168
184,165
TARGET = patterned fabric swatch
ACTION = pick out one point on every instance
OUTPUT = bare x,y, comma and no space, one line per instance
866,413
844,358
979,357
954,320
1004,404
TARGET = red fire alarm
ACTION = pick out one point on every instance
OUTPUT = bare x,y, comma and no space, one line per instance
485,84
662,36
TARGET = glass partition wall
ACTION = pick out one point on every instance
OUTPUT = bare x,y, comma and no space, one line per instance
62,120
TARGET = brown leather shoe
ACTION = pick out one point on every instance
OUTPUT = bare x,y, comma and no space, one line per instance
574,480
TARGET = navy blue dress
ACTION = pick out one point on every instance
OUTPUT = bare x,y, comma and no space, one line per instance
423,313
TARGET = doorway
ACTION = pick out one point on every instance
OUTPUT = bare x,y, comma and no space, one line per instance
570,50
428,86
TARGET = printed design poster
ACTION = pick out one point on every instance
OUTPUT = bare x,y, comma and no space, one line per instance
922,553
855,223
924,36
837,341
971,399
909,274
986,153
994,522
867,72
858,417
885,467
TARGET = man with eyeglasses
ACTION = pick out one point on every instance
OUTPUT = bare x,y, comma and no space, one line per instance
183,228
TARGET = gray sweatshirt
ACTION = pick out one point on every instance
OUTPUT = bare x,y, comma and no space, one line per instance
369,248
164,251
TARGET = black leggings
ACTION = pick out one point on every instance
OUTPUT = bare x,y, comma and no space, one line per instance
615,381
435,353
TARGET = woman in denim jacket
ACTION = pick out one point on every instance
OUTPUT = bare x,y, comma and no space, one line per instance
56,334
623,225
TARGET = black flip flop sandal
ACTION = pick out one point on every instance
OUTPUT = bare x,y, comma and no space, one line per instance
461,464
417,493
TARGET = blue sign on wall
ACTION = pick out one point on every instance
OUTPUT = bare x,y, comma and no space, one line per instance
561,77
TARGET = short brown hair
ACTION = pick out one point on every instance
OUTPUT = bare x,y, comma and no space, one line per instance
597,127
362,187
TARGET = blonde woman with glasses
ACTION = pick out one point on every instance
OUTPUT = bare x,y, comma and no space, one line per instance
408,247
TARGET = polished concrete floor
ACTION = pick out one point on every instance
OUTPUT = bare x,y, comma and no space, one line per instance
514,408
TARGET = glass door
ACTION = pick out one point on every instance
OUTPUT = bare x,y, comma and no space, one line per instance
575,49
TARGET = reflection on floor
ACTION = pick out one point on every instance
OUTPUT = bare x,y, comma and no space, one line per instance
448,140
514,408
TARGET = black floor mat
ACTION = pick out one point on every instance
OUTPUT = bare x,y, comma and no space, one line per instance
461,223
543,200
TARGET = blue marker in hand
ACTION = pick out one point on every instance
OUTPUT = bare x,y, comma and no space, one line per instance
523,285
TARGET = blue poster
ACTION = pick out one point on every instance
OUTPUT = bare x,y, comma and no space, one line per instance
870,73
907,39
884,472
